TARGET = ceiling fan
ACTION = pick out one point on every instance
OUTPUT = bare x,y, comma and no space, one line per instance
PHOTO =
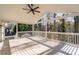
31,8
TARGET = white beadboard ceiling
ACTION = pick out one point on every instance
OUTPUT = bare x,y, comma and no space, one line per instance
14,12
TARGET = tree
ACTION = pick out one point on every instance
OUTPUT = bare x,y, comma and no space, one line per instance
63,29
76,21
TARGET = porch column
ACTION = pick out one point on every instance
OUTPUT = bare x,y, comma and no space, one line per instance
32,29
16,30
3,31
46,31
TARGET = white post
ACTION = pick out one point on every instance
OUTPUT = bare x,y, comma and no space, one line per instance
32,29
16,30
3,31
46,30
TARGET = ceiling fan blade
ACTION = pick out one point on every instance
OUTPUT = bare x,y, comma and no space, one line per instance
25,9
36,8
33,12
29,6
37,11
29,12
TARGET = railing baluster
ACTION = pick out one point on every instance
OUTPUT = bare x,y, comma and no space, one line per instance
72,37
66,37
78,39
75,40
69,38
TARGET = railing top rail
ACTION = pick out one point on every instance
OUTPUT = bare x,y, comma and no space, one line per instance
66,33
9,36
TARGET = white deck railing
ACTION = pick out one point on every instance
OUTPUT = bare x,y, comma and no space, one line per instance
62,36
66,37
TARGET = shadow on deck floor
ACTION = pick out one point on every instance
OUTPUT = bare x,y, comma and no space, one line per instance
52,50
5,50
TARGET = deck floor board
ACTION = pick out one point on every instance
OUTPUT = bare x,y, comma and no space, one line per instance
38,47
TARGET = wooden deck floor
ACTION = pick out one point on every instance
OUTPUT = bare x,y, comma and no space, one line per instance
37,46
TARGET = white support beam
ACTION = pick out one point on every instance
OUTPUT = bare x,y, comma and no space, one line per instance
32,29
16,30
46,29
3,31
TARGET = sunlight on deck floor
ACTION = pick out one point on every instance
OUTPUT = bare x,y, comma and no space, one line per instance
37,46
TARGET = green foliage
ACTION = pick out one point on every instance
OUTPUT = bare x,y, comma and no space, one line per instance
36,27
14,29
24,27
63,29
76,21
